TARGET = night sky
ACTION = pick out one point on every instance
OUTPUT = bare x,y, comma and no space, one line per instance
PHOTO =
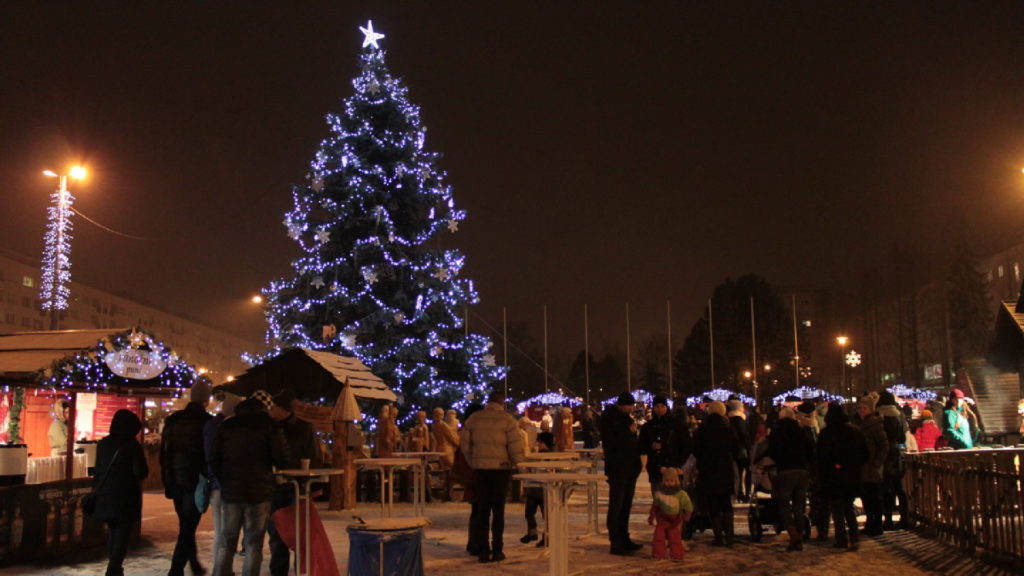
606,151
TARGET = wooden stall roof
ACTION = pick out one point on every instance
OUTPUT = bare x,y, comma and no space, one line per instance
311,375
27,352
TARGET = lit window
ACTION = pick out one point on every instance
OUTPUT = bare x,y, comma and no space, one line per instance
28,281
999,271
1016,271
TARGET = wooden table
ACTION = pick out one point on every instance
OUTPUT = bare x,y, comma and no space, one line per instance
387,477
594,456
557,488
301,478
552,456
420,487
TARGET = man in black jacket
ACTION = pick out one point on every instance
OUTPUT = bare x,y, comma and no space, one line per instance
622,466
246,448
664,439
302,445
182,460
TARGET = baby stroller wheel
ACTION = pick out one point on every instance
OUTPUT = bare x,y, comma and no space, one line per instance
754,523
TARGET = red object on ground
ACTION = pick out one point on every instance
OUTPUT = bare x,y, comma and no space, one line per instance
322,561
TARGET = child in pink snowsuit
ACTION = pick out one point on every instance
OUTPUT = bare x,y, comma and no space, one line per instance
671,509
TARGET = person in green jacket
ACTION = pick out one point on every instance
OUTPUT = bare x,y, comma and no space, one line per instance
958,421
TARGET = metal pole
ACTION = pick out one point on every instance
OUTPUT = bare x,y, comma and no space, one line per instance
711,339
668,318
545,348
753,348
586,352
629,371
796,346
504,337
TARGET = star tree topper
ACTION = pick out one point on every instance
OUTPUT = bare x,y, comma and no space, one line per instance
369,36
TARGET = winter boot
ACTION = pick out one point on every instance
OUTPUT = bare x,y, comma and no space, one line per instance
727,524
530,537
716,527
796,537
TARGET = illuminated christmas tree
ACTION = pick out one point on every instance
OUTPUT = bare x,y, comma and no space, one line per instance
373,280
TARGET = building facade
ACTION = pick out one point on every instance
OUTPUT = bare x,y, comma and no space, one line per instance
214,351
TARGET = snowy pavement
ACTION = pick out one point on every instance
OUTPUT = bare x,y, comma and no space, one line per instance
903,553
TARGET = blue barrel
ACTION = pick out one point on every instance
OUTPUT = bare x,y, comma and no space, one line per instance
376,551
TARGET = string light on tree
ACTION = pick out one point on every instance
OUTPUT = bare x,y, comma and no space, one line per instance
56,266
377,200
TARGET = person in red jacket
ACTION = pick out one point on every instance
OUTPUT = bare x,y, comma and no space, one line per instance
928,433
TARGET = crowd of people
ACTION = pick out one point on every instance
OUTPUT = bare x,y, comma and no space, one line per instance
814,458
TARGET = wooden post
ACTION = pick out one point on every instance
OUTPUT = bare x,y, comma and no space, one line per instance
343,487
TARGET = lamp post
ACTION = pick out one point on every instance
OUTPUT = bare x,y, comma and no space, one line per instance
54,290
842,340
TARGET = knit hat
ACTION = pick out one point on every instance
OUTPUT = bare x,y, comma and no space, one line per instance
734,405
659,399
625,399
716,407
885,398
868,400
926,413
670,476
806,407
264,398
285,400
956,393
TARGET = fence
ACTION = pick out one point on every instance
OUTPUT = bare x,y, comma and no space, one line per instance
971,498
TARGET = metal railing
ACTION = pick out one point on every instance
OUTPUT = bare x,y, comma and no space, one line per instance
970,498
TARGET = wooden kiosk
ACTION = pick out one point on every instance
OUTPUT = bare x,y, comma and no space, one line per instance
96,372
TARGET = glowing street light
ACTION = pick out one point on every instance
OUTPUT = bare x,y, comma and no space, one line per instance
842,340
257,299
54,290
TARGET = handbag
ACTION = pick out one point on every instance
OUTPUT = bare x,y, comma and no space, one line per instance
89,500
202,493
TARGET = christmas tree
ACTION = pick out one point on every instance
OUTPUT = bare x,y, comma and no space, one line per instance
373,280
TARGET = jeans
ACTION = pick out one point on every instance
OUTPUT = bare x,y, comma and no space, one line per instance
117,545
188,521
620,504
492,486
845,519
280,558
790,491
236,517
871,497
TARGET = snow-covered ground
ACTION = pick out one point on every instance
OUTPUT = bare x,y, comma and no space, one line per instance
902,553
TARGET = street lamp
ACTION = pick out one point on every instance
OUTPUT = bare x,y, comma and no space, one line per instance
842,340
54,290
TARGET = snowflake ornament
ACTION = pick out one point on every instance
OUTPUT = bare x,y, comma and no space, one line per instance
453,226
348,340
317,283
853,359
370,276
441,274
489,360
323,236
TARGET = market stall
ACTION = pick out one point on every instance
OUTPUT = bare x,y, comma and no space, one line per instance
60,390
533,408
795,396
720,394
318,380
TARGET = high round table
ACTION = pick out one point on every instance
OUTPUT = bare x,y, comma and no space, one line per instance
420,487
557,488
301,478
387,477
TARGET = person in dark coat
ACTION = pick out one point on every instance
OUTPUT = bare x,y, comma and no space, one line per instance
842,451
182,460
792,449
246,448
622,466
896,429
717,449
302,445
120,468
665,440
737,415
589,428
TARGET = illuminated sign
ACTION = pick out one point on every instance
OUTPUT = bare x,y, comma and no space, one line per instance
135,364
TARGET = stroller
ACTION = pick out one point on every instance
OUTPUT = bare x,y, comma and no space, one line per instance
699,520
764,509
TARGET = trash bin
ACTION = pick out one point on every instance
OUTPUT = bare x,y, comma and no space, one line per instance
386,547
